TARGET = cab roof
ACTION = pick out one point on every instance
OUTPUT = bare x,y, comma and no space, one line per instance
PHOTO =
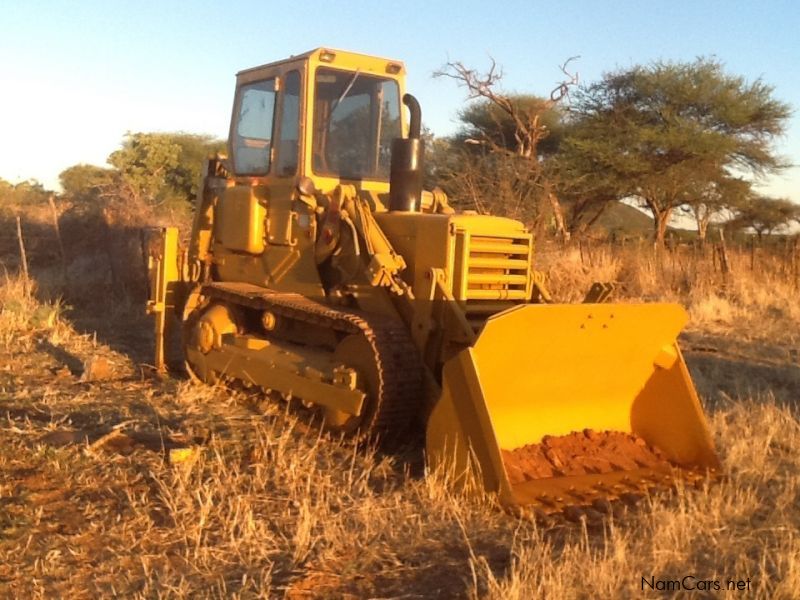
351,56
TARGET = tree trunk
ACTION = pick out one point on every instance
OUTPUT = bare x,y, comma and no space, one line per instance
558,213
702,231
578,225
702,217
660,221
723,256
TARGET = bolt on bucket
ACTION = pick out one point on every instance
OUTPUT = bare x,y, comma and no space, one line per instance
564,405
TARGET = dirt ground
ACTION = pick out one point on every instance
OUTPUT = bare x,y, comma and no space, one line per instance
94,444
115,481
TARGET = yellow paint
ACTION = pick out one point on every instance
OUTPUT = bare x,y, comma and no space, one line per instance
162,263
540,370
182,455
240,219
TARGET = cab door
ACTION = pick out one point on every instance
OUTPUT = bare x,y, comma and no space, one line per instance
267,234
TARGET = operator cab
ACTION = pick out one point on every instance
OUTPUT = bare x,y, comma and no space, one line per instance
327,114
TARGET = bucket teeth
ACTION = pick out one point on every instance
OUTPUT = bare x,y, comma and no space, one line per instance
586,497
661,481
618,489
574,513
587,514
630,499
580,497
699,483
591,504
548,501
602,505
542,517
593,517
697,479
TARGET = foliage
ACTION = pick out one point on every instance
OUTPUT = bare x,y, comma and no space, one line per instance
662,132
766,215
585,190
85,184
194,149
487,182
143,163
162,169
24,193
715,197
152,176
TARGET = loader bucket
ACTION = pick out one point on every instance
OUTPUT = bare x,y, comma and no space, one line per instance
566,405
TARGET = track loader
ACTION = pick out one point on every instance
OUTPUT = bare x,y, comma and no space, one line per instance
319,270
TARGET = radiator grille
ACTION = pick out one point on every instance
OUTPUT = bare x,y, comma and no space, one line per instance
492,273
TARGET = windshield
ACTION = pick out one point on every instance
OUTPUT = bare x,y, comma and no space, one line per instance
356,117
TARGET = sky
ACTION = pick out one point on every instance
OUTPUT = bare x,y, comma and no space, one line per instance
76,76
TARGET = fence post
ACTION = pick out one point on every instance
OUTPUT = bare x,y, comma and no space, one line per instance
724,265
23,259
52,203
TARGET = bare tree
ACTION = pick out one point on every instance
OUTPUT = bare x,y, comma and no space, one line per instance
512,132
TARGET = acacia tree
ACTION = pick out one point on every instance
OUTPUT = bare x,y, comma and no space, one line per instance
503,140
660,132
584,189
765,215
714,198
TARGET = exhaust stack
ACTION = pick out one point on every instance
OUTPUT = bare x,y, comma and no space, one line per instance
407,167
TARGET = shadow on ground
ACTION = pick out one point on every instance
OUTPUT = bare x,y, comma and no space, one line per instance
724,368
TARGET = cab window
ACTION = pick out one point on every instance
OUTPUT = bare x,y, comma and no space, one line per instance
252,134
356,117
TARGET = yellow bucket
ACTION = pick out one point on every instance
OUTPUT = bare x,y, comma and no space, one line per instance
542,370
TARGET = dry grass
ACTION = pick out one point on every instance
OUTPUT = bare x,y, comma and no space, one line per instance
745,527
267,506
22,316
753,295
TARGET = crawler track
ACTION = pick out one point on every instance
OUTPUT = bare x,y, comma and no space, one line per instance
398,396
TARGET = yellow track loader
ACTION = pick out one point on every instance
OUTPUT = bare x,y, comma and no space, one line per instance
318,269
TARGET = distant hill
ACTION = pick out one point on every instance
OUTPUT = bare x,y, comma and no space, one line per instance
625,220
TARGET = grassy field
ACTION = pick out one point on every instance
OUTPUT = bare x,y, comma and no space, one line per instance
114,481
